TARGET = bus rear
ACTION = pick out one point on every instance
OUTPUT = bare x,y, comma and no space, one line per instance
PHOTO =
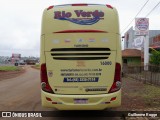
80,57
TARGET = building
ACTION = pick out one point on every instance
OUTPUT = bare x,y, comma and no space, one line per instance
131,57
131,41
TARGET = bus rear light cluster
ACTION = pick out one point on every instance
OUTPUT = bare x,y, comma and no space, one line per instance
109,6
50,100
50,7
79,4
117,79
112,99
44,79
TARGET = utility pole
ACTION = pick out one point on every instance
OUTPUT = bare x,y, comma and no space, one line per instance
146,52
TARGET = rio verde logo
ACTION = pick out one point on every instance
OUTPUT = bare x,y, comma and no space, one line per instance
82,17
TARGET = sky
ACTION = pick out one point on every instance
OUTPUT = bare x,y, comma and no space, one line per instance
20,21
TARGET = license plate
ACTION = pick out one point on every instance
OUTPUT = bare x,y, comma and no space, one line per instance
80,101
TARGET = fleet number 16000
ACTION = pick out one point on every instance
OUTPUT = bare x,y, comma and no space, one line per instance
106,63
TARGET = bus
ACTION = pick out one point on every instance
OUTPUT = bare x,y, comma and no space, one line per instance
80,57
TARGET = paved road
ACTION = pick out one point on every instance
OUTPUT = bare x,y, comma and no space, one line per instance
23,94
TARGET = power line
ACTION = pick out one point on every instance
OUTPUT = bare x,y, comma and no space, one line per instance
135,16
153,9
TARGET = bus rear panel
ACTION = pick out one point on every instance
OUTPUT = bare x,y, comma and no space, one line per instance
80,57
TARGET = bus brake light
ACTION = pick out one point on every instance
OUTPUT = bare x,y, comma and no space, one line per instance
109,6
50,7
44,79
117,79
79,4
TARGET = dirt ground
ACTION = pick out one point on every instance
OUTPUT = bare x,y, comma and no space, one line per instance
137,96
11,74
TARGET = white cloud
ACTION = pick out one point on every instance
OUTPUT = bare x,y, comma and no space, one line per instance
20,21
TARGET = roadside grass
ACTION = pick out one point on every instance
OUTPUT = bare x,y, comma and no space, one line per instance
9,68
37,66
150,94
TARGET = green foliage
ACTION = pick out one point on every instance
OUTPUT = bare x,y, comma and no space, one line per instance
37,66
8,68
155,58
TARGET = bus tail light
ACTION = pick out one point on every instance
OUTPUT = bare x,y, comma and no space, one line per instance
112,99
50,7
117,79
48,99
44,80
109,6
79,4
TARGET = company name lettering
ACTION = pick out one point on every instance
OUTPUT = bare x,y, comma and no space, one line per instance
78,13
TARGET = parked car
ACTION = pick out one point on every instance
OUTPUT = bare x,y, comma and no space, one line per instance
21,62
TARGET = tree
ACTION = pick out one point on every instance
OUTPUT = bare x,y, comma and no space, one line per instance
155,57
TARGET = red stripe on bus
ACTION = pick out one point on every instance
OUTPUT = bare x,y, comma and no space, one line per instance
81,31
79,4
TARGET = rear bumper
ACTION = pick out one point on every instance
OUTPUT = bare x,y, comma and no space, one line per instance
95,102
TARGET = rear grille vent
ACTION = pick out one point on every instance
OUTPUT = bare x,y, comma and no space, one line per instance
80,53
